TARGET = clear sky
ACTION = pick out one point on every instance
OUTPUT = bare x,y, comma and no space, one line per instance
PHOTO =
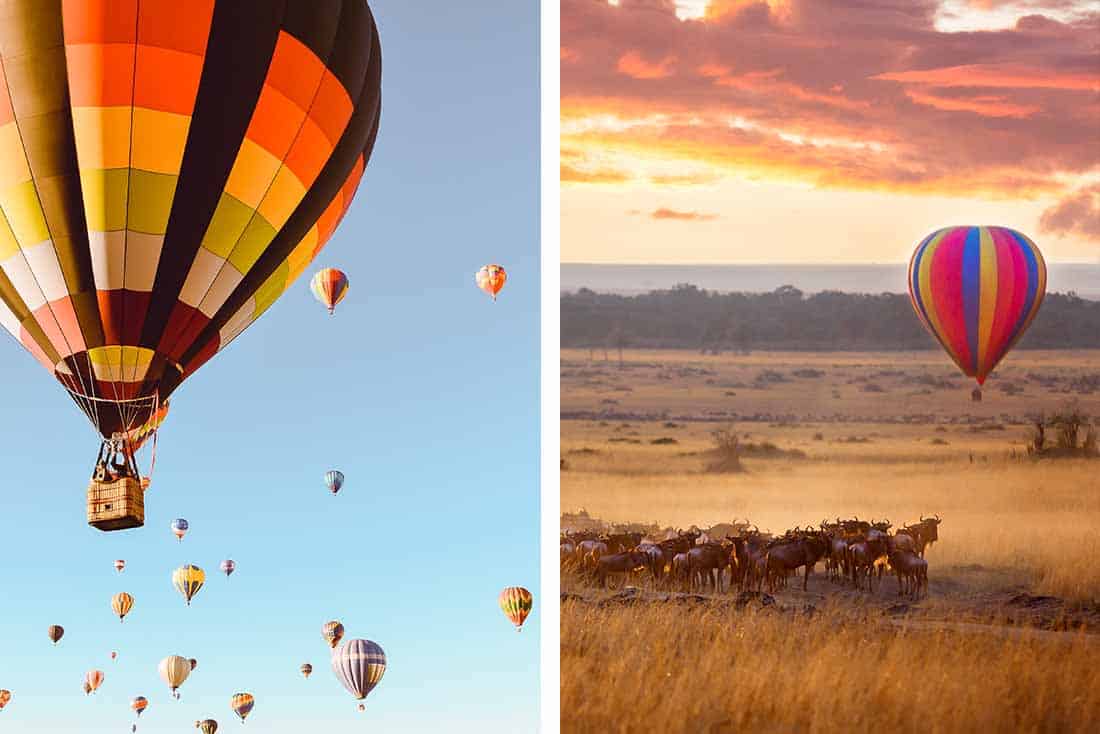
796,131
420,389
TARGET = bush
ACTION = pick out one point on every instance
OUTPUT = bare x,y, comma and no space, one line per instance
727,452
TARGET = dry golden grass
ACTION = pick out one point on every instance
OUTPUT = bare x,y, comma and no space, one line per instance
665,668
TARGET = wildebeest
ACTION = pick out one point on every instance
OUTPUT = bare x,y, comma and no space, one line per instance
802,550
924,533
912,572
862,554
706,563
619,563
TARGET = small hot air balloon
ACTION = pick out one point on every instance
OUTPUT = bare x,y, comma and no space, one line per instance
329,286
5,697
179,527
174,671
359,664
515,602
228,567
119,565
333,632
114,655
242,704
194,663
306,669
188,580
334,480
55,633
122,603
93,679
491,279
207,726
139,704
977,289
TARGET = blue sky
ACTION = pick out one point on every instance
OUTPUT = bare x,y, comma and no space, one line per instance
420,389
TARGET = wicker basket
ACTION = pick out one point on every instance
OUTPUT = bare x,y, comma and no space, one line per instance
116,505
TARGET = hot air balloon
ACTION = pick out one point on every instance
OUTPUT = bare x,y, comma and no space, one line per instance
242,704
55,632
139,704
174,671
306,669
359,664
207,726
114,655
977,289
491,279
334,480
333,632
179,527
228,567
188,580
93,679
182,172
329,286
122,603
515,602
5,698
119,565
194,663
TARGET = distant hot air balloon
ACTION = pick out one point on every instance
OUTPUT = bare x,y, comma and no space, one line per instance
194,663
114,655
5,698
207,726
188,580
122,603
977,289
119,565
179,527
333,632
306,669
359,665
242,704
228,567
93,679
55,633
177,165
515,602
139,704
334,480
491,279
174,671
329,286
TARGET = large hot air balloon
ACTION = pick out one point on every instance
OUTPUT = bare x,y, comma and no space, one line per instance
333,632
207,726
119,565
228,567
359,664
334,480
174,671
977,289
5,698
491,279
179,528
139,704
188,580
306,669
242,704
167,170
329,286
55,633
122,603
93,679
515,602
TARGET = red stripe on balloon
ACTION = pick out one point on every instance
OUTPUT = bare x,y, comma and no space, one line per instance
947,293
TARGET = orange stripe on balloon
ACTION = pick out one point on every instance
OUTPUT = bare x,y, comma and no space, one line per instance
987,307
99,21
180,25
100,75
167,80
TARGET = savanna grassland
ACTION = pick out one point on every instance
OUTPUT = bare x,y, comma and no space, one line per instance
1008,636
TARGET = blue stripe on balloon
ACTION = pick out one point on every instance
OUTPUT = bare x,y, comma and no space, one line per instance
1032,284
914,286
971,290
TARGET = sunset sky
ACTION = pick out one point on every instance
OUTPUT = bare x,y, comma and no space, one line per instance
738,131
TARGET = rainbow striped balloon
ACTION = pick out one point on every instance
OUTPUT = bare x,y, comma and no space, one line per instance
329,286
515,602
977,289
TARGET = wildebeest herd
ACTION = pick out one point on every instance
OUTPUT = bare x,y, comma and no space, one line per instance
855,551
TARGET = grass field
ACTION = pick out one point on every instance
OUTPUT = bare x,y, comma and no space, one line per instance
871,435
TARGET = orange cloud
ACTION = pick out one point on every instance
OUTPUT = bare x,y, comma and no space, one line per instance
1077,214
634,65
990,106
685,179
997,75
675,215
572,174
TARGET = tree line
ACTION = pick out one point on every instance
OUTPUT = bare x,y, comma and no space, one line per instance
688,317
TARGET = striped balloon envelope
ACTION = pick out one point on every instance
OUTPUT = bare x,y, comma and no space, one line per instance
516,603
329,286
491,279
188,580
139,704
977,289
242,704
167,169
359,665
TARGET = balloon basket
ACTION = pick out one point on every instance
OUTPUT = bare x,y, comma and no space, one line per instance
116,505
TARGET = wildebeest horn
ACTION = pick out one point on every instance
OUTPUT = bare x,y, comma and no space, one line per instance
922,518
887,522
938,518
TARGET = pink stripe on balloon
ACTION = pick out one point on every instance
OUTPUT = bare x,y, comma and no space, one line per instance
947,293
